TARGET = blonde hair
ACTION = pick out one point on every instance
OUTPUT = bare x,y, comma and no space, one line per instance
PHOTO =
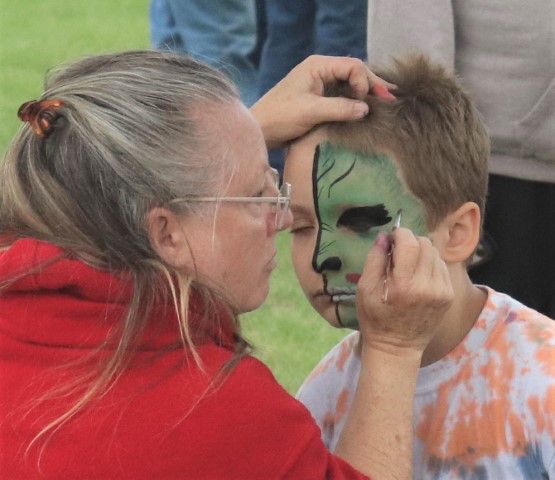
434,132
123,141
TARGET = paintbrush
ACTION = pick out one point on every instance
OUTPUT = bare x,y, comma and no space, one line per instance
350,297
389,254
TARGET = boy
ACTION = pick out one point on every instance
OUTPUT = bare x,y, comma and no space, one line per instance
485,401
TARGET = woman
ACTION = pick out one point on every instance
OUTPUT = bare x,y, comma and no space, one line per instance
138,219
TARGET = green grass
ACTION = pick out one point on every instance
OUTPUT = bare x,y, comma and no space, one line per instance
39,34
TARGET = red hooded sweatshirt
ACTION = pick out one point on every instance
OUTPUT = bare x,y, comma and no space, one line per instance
159,420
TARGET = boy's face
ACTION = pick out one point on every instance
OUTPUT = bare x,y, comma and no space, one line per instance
341,200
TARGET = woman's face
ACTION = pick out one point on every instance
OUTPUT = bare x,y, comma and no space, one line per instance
233,244
341,200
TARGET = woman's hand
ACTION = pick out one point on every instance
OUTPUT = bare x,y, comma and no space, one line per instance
419,294
377,437
296,103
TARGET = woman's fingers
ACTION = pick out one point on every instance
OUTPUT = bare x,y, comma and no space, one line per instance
406,253
336,109
426,260
296,104
380,89
374,268
351,70
346,69
419,293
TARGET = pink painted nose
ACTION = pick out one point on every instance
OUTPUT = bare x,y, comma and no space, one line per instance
352,277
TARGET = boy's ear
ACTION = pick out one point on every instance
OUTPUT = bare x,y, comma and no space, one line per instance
458,234
167,237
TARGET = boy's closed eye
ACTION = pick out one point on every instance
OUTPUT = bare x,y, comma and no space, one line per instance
301,227
304,219
362,219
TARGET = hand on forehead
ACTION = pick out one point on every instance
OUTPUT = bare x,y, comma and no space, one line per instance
344,180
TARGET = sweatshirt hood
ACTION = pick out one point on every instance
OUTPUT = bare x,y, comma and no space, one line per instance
53,299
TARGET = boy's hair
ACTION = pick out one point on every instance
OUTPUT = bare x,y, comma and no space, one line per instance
434,132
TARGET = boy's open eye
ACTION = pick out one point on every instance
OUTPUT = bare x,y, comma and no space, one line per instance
362,219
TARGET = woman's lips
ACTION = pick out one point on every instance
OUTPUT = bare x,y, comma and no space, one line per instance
352,277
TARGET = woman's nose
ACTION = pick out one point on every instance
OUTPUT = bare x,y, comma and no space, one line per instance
278,221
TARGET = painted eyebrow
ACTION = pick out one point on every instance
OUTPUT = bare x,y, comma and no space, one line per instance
377,213
327,165
341,177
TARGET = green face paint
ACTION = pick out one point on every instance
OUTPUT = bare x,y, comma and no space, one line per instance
355,197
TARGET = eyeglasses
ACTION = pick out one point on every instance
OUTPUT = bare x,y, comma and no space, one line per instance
279,203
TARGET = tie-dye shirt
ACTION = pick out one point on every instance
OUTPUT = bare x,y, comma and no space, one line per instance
484,411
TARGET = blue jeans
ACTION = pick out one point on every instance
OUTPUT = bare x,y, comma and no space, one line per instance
220,33
299,28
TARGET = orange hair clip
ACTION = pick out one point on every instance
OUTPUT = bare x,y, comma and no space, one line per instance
40,115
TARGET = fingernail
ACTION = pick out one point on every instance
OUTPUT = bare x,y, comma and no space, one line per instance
382,242
382,92
389,96
360,109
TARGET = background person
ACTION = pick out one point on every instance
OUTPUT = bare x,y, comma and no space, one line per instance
504,53
138,218
485,403
220,33
294,30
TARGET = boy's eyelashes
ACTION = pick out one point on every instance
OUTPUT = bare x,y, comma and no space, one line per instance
301,227
357,219
362,219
